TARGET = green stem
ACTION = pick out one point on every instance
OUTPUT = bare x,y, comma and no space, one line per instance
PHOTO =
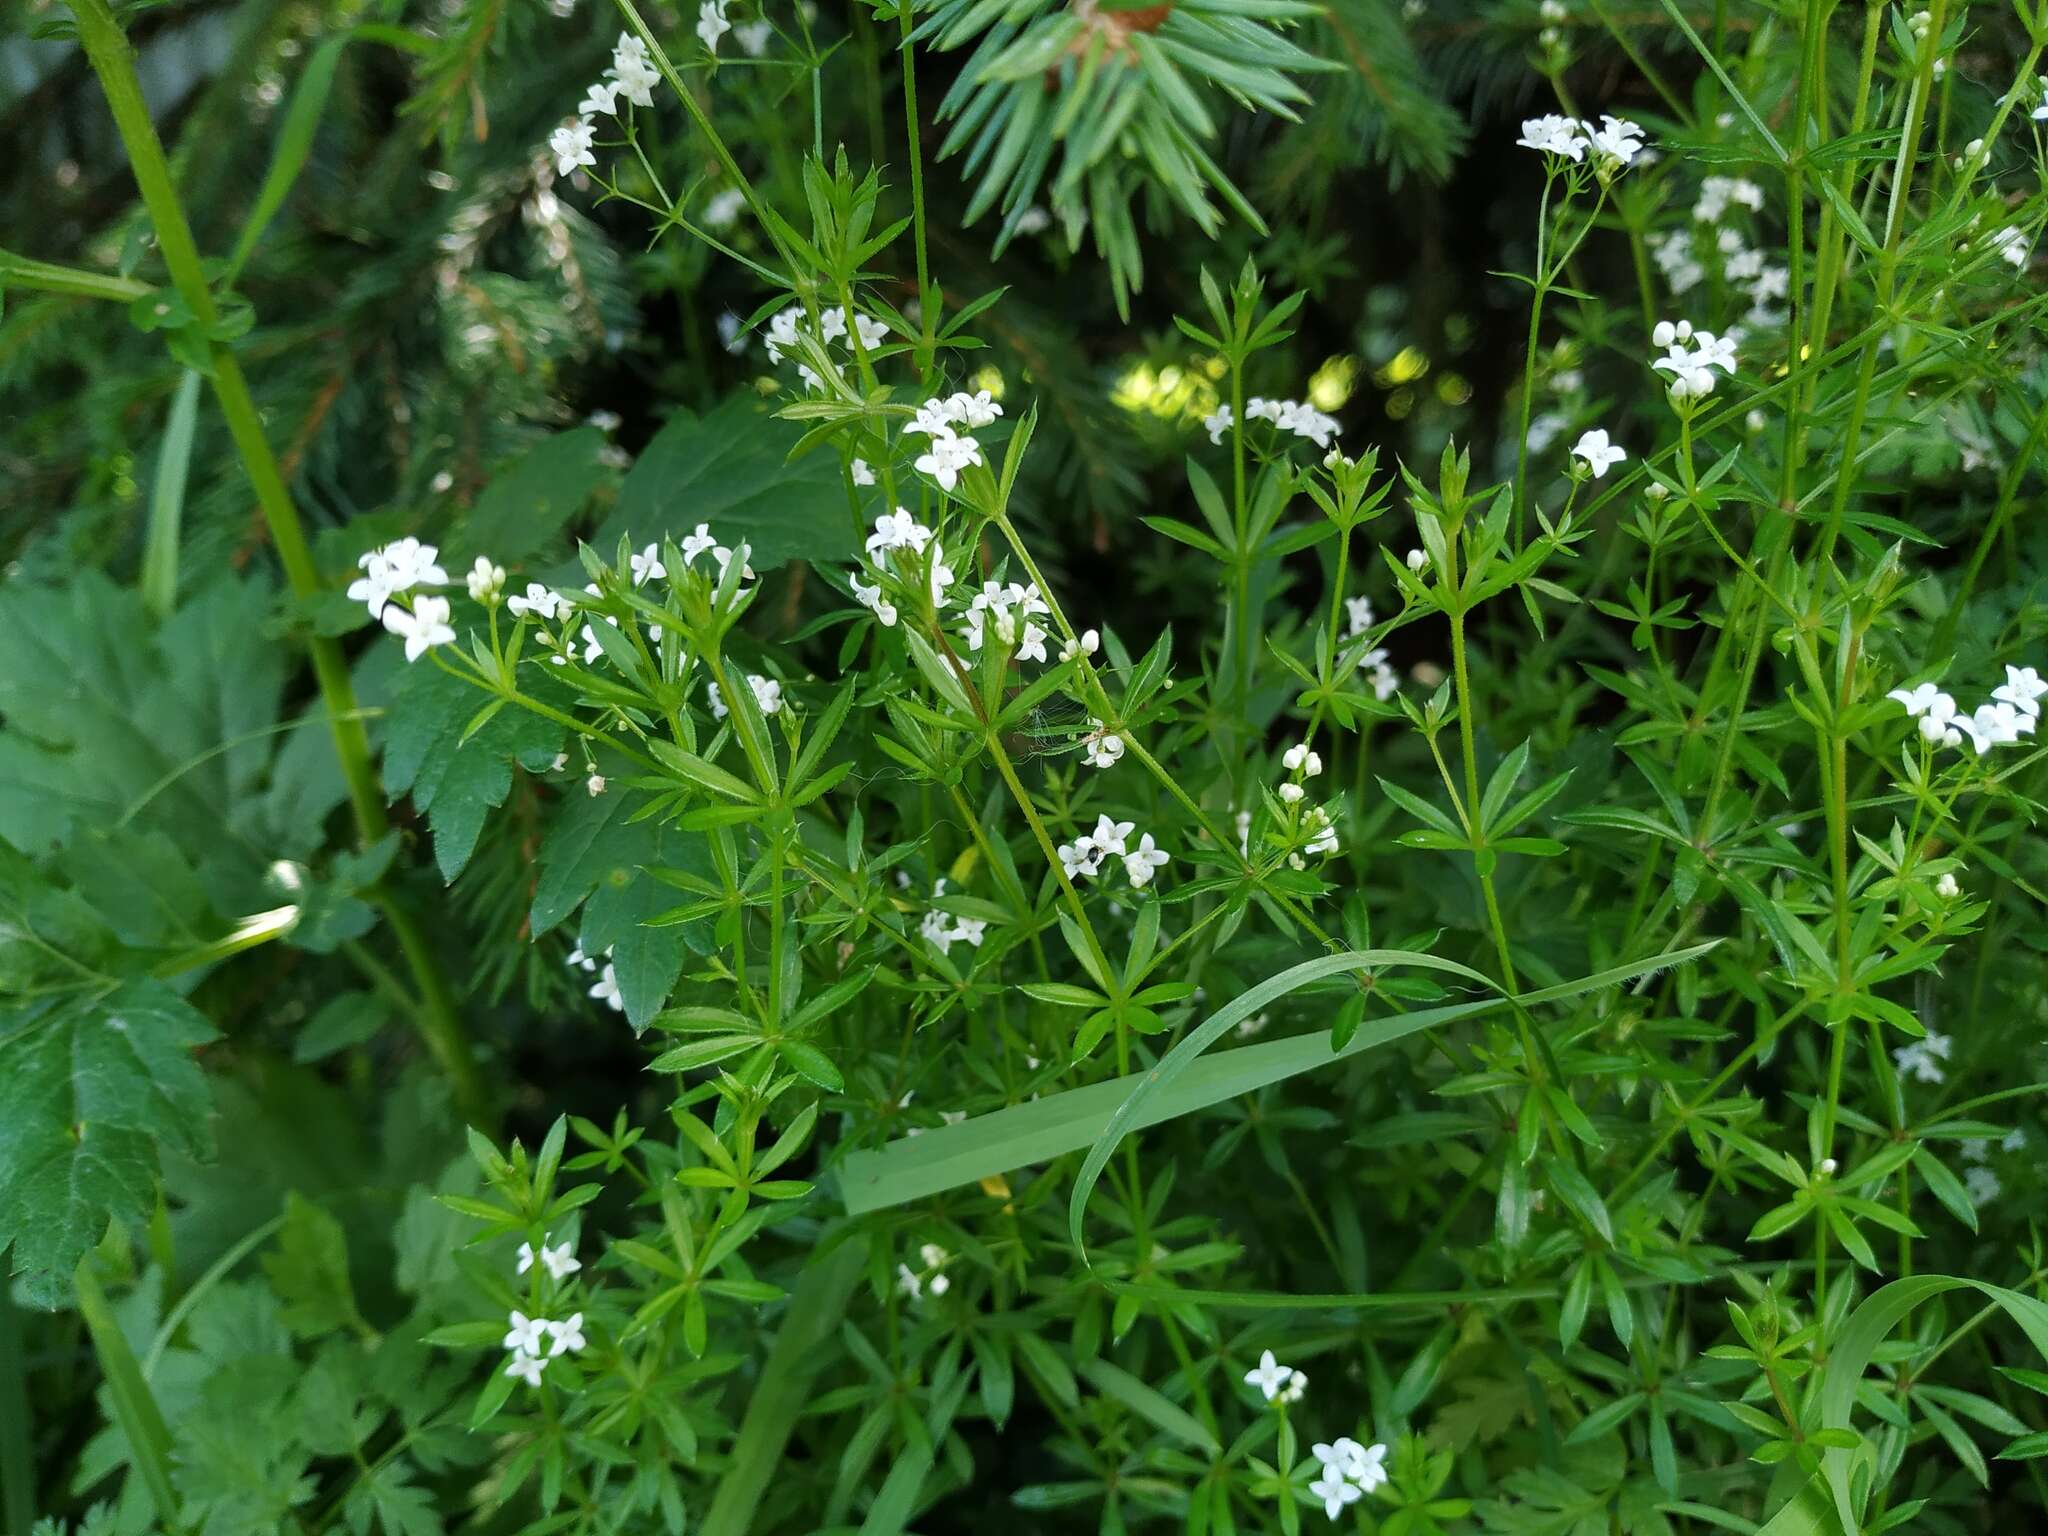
135,1409
113,60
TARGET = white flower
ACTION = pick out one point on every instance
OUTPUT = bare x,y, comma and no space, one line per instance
898,530
526,1334
711,23
872,333
723,210
1668,333
1296,1388
1269,1376
862,475
1291,794
1982,1185
767,694
932,420
975,410
969,930
568,1335
485,580
570,145
1418,561
1335,1491
1080,859
526,1368
1553,135
1714,351
1919,701
606,990
1299,759
1619,140
1088,643
1143,861
647,565
697,543
1217,422
2022,689
947,457
1922,1058
1032,646
908,1283
595,784
1946,887
1101,747
724,557
634,70
560,1261
425,627
870,596
1354,1462
1599,454
601,100
539,600
1109,835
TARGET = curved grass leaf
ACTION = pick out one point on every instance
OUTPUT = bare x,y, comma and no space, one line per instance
1868,1327
1184,1055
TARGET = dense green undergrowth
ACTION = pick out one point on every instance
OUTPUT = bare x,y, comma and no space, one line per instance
1211,766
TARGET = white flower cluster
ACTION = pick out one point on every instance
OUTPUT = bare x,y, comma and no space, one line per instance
632,78
767,693
534,1341
1692,371
786,325
713,23
2014,711
1613,145
2012,245
1007,613
1360,618
1677,253
1083,858
1304,421
606,988
1921,1059
942,930
1276,1382
644,566
951,452
901,548
390,573
1350,1472
1309,825
1982,1183
916,1284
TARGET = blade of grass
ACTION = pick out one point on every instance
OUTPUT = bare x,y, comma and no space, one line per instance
911,1168
897,1500
167,500
1024,1134
135,1409
1854,1347
1129,1115
815,1308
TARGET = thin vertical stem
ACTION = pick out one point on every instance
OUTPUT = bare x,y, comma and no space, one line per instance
113,60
